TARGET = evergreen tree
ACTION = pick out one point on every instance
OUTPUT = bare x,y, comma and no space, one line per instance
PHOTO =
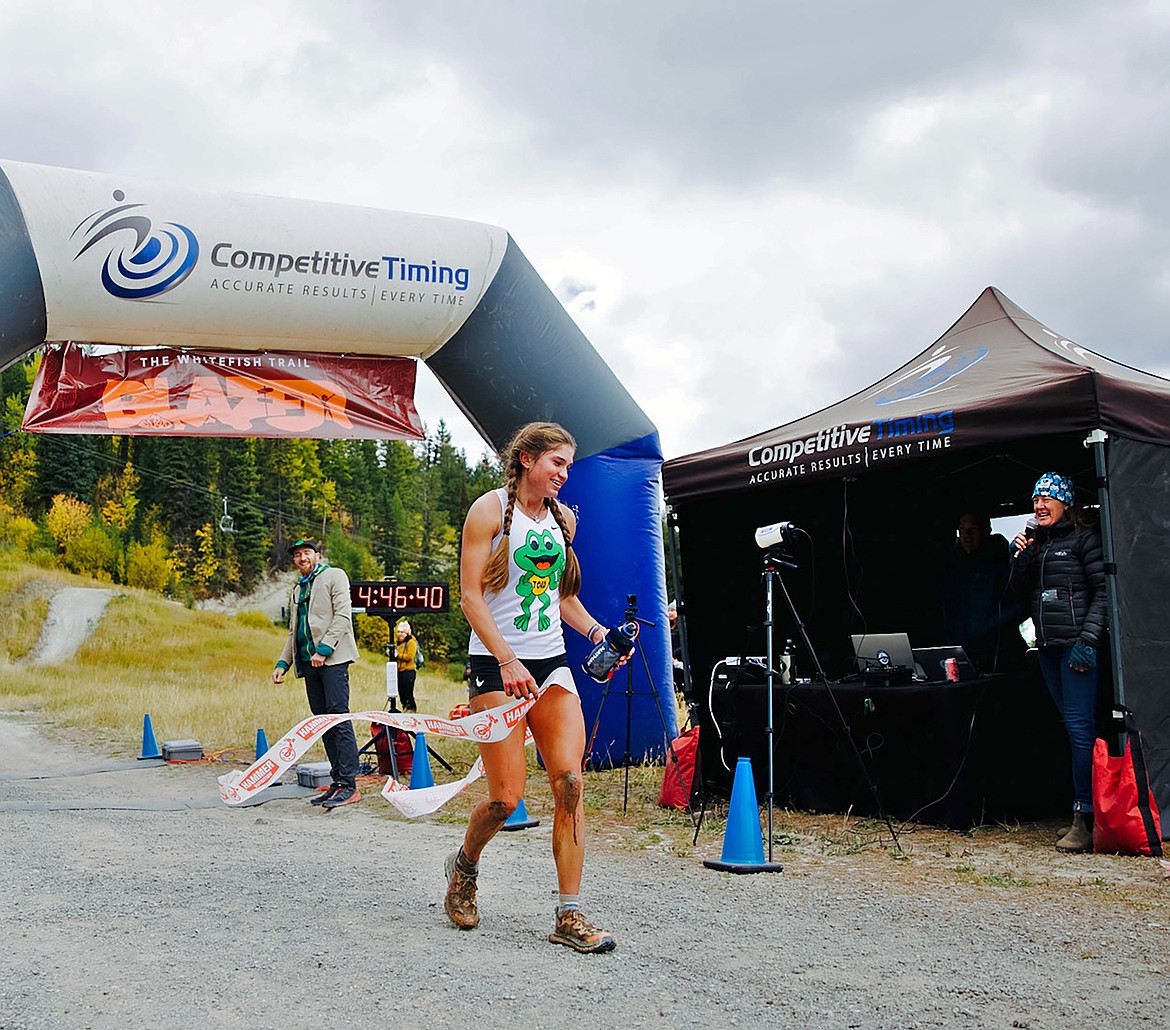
69,465
366,474
485,475
168,485
299,494
16,380
392,539
18,459
451,477
334,460
239,484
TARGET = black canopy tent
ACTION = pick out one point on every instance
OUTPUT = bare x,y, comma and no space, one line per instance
879,479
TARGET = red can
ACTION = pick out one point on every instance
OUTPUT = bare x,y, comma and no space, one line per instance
951,666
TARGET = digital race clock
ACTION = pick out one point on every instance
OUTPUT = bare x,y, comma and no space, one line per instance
399,598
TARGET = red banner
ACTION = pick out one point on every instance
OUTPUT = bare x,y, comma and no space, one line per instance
163,392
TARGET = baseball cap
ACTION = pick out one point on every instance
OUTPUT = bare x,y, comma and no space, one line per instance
303,543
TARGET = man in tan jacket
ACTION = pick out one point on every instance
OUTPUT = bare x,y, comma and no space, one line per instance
320,646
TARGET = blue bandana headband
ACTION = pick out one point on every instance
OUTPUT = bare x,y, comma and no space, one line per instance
1056,486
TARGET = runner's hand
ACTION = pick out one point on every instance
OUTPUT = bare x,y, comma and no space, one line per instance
518,681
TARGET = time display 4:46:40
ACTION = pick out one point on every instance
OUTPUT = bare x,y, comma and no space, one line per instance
393,596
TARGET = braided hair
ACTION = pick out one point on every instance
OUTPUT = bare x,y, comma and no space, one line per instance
534,438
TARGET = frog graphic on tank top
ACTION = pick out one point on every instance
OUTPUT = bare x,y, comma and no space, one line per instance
541,560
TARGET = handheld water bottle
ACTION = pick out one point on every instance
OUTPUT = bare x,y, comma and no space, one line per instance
603,659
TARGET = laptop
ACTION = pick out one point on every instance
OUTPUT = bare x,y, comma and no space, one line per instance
932,658
877,651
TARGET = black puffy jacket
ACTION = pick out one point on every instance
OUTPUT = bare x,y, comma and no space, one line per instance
1064,571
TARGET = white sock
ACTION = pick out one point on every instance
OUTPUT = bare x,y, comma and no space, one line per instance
568,901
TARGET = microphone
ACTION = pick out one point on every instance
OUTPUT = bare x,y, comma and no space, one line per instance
1030,528
775,534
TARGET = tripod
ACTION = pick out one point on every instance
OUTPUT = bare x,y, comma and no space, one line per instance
774,558
632,616
392,706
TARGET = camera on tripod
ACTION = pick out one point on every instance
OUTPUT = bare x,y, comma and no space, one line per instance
617,645
778,534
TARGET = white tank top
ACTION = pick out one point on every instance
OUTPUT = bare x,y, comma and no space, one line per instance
527,611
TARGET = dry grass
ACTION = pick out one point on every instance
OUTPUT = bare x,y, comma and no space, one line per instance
200,675
24,601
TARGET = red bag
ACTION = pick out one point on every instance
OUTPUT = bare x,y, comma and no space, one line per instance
402,751
1125,814
682,759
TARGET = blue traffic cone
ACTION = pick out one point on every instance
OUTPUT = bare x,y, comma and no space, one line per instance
519,819
262,750
420,770
149,744
743,844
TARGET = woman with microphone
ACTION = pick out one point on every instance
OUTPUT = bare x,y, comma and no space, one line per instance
1060,563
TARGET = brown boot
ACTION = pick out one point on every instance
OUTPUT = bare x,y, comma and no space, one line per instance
1079,838
574,930
460,903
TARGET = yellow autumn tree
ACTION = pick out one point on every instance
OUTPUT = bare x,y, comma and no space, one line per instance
118,497
149,565
206,564
67,519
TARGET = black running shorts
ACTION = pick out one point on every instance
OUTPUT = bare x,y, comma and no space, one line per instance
485,672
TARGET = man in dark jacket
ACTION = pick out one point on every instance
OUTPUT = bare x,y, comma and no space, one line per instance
979,612
1060,563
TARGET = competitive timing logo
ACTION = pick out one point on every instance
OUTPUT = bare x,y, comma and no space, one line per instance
940,368
158,261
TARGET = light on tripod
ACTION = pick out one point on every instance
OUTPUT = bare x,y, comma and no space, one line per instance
774,535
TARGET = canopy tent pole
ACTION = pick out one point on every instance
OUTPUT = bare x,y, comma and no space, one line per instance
680,606
1096,441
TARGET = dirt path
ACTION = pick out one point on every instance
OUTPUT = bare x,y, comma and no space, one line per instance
270,597
74,612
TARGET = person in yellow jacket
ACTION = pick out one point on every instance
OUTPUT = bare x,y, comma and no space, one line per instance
321,645
406,653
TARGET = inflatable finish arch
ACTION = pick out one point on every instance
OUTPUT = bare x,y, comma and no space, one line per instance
92,258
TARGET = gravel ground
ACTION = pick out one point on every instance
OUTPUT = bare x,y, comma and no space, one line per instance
134,898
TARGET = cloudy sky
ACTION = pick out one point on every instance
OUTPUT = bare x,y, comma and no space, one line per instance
751,208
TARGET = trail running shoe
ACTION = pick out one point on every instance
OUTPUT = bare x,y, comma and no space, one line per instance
575,931
324,796
460,904
344,796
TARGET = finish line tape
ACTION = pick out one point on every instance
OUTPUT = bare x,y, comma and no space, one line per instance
486,727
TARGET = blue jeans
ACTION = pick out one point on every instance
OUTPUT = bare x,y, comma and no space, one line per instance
327,688
1075,694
